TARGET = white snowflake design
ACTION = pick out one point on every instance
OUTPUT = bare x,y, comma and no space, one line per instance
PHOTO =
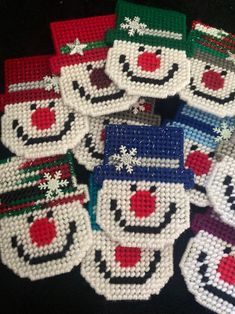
76,47
134,26
51,82
224,132
125,159
53,185
138,106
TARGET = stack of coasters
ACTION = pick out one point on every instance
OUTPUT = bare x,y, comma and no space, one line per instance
44,228
143,201
35,122
90,151
148,56
80,59
208,264
202,133
212,67
221,183
123,273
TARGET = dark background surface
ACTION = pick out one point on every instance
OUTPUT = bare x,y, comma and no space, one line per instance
24,31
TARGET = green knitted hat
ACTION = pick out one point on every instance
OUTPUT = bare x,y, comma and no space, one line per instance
148,25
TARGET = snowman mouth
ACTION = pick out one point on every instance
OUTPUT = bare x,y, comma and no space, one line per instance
201,94
213,290
91,147
95,100
102,267
146,80
52,138
229,192
46,258
200,188
142,229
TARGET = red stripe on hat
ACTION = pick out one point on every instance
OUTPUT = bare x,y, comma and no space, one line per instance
95,54
65,200
86,30
4,209
212,46
22,70
219,43
38,161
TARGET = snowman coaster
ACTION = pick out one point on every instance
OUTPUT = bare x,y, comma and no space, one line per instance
212,71
47,241
208,264
221,184
28,184
80,59
148,56
202,133
91,149
126,273
35,122
143,201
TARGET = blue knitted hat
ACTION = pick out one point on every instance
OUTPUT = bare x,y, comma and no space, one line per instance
143,153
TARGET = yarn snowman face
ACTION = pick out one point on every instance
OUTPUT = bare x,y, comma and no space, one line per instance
199,159
46,242
147,70
221,189
126,273
86,87
211,85
40,128
149,214
208,267
90,151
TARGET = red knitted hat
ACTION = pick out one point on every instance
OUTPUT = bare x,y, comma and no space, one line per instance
78,41
28,79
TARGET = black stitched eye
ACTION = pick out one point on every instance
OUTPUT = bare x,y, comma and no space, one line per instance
158,51
89,67
49,214
194,147
30,219
212,154
223,73
152,189
227,250
141,48
106,122
133,187
33,106
52,104
207,67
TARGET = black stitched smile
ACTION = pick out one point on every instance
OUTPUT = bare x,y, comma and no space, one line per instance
229,192
220,101
146,80
102,266
53,138
141,229
215,291
46,258
95,100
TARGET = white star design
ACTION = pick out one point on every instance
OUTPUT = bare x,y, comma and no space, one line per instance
51,82
53,185
76,47
125,159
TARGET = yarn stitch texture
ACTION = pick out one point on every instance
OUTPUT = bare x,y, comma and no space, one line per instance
148,56
80,59
212,70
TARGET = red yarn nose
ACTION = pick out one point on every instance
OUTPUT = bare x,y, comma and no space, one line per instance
99,79
102,135
226,268
198,162
143,204
213,80
127,256
42,231
43,118
149,61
